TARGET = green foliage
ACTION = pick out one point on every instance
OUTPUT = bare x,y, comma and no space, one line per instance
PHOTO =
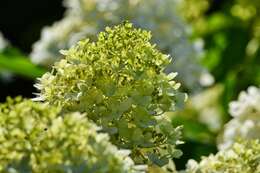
232,41
13,61
193,10
35,137
242,157
119,82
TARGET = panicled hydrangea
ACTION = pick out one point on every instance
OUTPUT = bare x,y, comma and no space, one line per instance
246,118
242,157
119,82
35,137
159,16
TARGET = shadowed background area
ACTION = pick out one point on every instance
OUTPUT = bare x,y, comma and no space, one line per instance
21,23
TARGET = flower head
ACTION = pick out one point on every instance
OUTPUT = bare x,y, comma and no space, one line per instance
35,137
119,83
246,118
241,157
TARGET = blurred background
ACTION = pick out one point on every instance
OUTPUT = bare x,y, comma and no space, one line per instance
21,23
216,51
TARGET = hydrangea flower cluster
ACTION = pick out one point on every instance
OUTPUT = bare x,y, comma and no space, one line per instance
86,18
35,137
242,157
246,118
119,82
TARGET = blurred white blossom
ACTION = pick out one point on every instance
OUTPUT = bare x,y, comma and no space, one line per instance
3,42
208,107
248,102
206,79
4,74
85,18
246,118
61,35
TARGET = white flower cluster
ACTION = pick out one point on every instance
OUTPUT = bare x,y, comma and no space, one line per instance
85,18
246,118
3,42
62,34
36,137
241,157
